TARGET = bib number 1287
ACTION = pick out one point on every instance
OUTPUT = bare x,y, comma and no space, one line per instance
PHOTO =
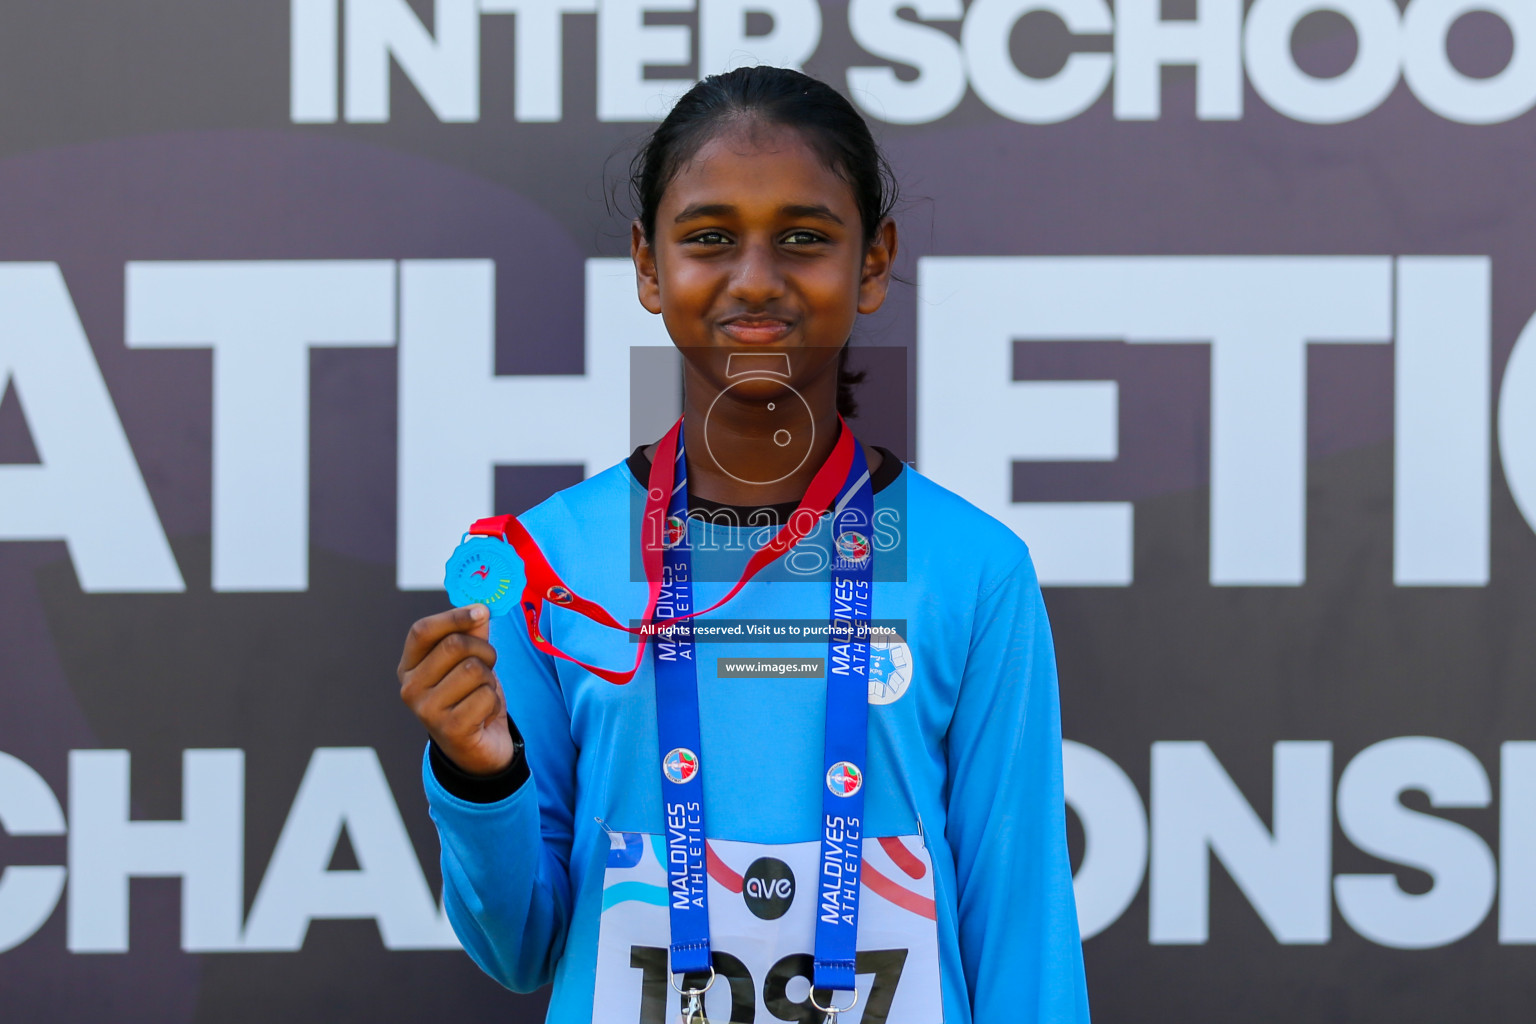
651,961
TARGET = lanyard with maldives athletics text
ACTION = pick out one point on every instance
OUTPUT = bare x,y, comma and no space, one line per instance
847,719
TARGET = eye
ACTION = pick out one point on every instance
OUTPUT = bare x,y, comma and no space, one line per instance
710,237
804,236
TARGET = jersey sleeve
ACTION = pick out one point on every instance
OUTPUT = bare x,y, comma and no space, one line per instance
1019,941
506,864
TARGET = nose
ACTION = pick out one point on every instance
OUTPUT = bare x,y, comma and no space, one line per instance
756,277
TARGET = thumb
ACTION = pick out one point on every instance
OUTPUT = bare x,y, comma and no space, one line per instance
480,622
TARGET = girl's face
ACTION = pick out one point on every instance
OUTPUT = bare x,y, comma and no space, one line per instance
758,247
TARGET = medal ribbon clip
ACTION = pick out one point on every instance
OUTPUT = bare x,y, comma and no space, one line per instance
832,1009
693,1013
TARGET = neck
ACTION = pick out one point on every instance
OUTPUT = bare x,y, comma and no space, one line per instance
733,457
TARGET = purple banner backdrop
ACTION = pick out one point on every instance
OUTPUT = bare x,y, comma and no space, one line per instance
1234,298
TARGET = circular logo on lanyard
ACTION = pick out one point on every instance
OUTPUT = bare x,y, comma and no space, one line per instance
844,778
853,547
680,764
559,595
676,530
890,670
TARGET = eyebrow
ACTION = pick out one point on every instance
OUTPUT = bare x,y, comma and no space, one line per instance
812,210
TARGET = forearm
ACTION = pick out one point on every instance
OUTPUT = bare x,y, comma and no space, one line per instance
1007,827
506,885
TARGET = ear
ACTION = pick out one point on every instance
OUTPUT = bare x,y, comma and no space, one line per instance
647,283
879,259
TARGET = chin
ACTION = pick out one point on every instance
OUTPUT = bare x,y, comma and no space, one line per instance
758,387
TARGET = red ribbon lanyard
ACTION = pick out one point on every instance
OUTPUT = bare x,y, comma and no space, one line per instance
543,583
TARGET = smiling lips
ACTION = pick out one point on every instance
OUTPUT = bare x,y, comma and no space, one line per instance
755,329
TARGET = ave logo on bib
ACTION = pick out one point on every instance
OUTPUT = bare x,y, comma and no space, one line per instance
768,888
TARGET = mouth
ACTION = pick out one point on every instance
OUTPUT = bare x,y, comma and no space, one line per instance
755,329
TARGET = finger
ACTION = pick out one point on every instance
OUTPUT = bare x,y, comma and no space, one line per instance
434,703
478,707
425,633
449,652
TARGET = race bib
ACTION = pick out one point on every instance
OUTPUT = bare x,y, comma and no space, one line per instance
763,902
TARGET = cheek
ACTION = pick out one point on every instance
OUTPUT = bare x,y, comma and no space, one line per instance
684,289
835,299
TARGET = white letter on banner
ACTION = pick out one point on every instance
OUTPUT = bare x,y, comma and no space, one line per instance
538,68
626,45
443,65
261,318
312,61
1017,96
206,849
1145,44
1114,836
28,894
1298,95
1257,312
345,788
964,360
1374,819
1517,423
724,44
940,83
1458,97
1517,843
1443,446
88,491
1196,810
458,420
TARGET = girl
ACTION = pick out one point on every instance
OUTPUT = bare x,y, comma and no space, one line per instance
839,796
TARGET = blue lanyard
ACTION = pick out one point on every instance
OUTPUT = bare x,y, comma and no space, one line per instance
847,735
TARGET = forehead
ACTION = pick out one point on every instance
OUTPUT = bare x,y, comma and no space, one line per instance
752,164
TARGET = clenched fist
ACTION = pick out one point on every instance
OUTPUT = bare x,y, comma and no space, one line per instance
446,678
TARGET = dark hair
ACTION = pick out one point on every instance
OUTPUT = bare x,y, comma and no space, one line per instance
777,96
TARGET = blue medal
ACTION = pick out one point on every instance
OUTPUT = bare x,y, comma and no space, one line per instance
480,571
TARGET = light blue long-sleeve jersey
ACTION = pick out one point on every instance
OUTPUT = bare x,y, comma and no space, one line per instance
969,756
